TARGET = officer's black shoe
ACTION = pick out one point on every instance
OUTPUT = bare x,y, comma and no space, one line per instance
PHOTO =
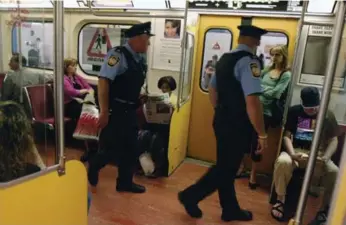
134,188
241,215
192,209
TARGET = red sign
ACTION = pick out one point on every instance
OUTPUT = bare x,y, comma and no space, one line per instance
97,41
18,18
216,46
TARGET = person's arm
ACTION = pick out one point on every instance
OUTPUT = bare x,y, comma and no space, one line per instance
213,91
46,78
332,132
70,90
248,72
290,128
114,64
279,87
38,160
84,83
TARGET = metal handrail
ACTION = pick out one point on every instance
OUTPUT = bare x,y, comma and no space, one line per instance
183,48
59,83
327,87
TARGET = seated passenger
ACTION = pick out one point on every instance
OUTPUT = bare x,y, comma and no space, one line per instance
168,85
75,88
18,155
21,77
300,126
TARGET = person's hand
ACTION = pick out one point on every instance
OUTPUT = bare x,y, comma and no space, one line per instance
84,91
103,120
262,145
297,157
143,98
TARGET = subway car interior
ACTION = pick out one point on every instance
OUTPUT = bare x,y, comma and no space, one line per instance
44,43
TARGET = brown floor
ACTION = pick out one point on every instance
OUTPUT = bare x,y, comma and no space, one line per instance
159,205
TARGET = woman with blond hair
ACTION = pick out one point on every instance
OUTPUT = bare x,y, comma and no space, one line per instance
275,80
75,88
18,154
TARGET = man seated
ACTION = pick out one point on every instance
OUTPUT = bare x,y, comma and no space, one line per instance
300,126
20,77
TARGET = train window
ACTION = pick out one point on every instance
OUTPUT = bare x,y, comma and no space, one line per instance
321,6
94,42
316,55
177,3
36,43
217,41
187,68
268,41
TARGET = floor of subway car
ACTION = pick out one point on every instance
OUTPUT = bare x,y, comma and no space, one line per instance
159,205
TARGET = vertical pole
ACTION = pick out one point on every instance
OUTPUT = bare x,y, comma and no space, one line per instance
327,88
18,25
295,72
59,82
182,63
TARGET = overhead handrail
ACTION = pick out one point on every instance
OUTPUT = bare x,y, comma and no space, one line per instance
183,49
59,83
99,13
327,87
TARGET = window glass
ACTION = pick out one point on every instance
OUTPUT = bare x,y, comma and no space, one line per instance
268,41
321,6
94,42
187,68
37,43
316,56
217,41
149,4
177,3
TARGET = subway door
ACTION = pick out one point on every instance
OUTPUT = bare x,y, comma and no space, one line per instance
282,31
216,35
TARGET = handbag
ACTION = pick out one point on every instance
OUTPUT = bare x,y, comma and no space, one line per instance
278,106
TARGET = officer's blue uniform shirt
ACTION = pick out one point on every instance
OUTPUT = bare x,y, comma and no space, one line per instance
115,63
243,72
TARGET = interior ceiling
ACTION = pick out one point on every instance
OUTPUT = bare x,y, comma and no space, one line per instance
317,6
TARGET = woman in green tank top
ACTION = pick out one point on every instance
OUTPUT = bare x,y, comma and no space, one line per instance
275,80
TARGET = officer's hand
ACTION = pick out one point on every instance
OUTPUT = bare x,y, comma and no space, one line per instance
262,145
103,120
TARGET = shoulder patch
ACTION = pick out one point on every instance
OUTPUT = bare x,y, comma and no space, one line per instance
113,60
256,72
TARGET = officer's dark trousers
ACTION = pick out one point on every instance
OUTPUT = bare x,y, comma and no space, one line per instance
117,141
232,139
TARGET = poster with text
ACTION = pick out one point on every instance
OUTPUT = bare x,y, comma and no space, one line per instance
269,41
97,42
216,43
167,44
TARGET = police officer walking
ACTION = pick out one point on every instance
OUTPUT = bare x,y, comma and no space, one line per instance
120,81
238,111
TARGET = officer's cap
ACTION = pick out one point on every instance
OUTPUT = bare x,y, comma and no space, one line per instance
251,31
139,29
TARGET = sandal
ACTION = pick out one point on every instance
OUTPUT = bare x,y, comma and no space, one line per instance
277,207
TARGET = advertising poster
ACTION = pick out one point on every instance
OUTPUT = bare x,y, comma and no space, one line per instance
216,43
167,44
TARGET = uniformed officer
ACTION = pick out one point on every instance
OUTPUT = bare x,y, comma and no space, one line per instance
238,110
120,81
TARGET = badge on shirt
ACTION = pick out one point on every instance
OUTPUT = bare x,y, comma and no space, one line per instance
113,60
256,72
